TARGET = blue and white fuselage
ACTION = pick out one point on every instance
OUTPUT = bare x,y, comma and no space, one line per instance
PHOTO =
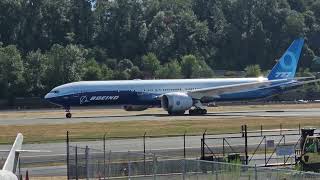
178,95
145,92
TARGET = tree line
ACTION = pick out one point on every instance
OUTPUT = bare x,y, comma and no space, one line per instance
46,43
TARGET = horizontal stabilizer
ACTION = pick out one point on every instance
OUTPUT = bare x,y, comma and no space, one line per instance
11,162
299,83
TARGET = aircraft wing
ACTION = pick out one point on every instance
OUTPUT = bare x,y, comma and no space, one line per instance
305,78
11,162
217,91
299,83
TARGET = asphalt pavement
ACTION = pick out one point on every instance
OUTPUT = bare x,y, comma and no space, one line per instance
312,112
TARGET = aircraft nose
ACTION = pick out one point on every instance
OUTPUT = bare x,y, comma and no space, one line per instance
48,96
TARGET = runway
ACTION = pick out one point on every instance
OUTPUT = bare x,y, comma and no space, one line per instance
157,116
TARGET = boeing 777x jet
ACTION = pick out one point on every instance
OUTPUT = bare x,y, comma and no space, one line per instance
179,95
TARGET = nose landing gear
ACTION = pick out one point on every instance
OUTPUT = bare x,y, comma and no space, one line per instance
68,114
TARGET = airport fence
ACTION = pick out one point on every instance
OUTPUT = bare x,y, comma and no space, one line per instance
109,157
260,148
184,145
259,142
86,164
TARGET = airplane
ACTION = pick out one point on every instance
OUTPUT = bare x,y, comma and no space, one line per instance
179,95
9,167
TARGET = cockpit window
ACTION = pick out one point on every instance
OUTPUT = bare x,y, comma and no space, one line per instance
56,91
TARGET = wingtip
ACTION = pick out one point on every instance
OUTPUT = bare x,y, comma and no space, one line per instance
20,135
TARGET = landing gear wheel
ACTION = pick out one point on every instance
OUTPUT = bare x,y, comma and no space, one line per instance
192,112
68,115
203,111
197,111
179,113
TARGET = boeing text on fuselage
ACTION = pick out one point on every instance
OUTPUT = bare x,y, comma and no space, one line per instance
85,99
103,98
179,95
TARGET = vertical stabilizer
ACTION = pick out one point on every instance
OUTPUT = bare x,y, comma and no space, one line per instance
287,64
11,162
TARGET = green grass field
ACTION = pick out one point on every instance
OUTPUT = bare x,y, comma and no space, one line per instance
127,129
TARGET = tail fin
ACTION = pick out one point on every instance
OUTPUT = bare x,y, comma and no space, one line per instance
11,162
287,65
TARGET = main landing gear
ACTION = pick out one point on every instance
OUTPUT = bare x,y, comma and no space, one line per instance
197,111
68,114
178,113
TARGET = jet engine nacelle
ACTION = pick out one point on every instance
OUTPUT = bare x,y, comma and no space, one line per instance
176,102
135,107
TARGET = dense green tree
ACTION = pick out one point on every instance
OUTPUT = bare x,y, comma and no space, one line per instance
212,12
33,26
11,72
172,34
92,71
99,54
119,23
107,73
135,73
11,21
205,71
125,64
193,68
189,65
48,43
170,70
55,23
35,66
64,64
316,64
295,24
150,65
307,57
122,75
82,21
253,71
